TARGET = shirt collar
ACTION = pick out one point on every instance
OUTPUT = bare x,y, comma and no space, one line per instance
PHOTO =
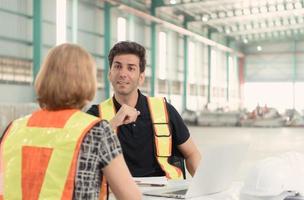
138,103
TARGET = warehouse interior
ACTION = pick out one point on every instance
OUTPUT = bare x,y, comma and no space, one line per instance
233,69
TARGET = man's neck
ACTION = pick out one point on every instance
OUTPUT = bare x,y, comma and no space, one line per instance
130,100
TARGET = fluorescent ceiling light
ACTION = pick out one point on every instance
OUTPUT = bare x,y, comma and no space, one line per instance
278,22
280,7
213,15
289,6
205,18
272,8
222,14
285,21
300,20
230,13
255,10
238,12
246,11
263,9
259,48
270,23
248,26
172,1
292,21
298,5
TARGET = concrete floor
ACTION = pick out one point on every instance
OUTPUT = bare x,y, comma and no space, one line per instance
263,142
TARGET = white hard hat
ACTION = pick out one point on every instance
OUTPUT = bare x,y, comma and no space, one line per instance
275,176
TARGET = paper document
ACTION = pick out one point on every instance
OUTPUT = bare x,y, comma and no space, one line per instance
151,181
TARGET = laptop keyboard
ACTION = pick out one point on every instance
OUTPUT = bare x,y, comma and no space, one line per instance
181,192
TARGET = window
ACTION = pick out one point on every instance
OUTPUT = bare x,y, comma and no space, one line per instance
191,63
60,21
213,67
299,96
277,95
121,29
162,55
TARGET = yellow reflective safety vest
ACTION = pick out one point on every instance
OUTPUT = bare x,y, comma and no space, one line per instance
39,154
162,134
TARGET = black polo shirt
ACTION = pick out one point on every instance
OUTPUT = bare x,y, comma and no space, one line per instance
137,139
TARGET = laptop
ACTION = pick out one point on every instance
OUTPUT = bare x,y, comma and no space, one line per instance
214,174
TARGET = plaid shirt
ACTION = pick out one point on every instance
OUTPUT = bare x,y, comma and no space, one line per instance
99,148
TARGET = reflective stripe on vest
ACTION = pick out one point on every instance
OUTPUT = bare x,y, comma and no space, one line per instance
40,152
162,135
107,113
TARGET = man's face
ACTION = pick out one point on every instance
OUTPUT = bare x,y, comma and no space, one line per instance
125,74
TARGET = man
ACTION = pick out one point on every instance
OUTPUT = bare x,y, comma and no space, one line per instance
152,133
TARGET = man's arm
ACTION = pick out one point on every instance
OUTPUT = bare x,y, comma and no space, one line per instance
183,140
125,115
191,154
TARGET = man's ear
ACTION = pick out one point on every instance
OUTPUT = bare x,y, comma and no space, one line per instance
109,75
142,77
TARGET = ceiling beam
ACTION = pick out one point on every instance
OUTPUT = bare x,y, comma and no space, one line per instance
206,3
175,28
256,17
266,30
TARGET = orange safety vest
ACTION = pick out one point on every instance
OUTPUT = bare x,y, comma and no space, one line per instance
39,153
162,134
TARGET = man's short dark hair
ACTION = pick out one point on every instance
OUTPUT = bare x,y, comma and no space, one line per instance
127,47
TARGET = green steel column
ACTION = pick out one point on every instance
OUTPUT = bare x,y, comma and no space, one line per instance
37,37
186,59
153,50
107,46
131,27
209,68
74,20
294,77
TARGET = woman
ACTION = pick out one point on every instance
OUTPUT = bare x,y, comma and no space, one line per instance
59,152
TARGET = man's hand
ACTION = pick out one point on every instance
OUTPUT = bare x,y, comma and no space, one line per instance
125,115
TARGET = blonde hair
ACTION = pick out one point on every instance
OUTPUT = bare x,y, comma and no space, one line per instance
67,78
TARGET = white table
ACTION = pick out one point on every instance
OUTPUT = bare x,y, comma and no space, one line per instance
230,194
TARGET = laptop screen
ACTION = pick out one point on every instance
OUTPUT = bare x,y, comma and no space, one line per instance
214,174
